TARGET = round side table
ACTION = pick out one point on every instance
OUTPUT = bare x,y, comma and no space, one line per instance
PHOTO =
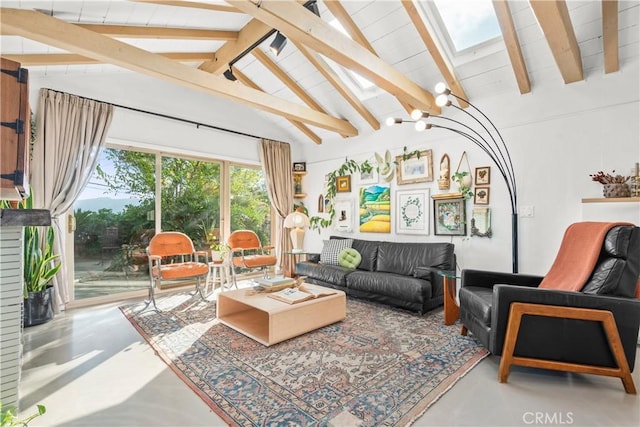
221,269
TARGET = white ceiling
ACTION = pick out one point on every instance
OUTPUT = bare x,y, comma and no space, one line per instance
385,24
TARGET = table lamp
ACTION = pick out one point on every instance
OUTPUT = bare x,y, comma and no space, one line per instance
297,221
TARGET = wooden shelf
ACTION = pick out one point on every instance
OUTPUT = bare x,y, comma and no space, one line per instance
300,195
299,173
612,200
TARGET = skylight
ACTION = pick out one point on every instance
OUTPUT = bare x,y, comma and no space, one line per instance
363,83
468,22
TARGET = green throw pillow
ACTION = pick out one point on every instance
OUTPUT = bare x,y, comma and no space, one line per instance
349,258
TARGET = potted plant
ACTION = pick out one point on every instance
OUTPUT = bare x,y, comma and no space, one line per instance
9,417
40,265
219,251
612,185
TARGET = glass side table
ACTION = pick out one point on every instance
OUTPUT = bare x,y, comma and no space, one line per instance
294,258
451,308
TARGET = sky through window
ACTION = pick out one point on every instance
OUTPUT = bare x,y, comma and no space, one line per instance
468,22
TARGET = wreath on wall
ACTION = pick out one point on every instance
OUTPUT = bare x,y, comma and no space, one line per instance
414,203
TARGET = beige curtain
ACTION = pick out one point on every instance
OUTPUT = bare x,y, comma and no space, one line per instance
70,133
276,163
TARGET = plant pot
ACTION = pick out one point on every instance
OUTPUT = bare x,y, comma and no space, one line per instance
615,190
38,307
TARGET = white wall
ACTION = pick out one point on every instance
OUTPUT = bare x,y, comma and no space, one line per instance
143,130
557,136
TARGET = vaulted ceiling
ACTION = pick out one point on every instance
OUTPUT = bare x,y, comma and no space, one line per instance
397,45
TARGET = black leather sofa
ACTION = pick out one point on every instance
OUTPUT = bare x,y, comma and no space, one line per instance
397,274
486,298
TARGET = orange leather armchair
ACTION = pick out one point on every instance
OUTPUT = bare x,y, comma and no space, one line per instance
246,251
172,256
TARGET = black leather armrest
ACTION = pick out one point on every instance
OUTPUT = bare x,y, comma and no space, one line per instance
431,274
624,310
487,279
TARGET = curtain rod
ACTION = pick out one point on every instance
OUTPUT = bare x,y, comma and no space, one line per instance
166,116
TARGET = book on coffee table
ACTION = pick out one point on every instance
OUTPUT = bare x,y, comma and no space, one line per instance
303,293
275,281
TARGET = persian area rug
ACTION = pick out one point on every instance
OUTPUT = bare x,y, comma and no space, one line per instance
378,367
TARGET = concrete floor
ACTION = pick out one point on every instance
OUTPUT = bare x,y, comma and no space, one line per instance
89,367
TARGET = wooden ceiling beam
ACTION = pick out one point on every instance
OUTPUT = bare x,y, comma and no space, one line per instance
610,35
193,4
340,13
131,31
40,59
331,76
54,32
304,129
287,80
247,37
302,26
554,19
510,37
443,64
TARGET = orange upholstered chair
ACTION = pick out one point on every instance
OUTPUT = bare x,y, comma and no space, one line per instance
173,257
246,251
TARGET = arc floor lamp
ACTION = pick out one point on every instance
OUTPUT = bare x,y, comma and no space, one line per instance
483,133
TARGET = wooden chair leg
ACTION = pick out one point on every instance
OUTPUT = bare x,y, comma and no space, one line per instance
605,317
464,331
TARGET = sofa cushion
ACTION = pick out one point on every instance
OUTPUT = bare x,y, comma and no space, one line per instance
332,249
326,273
368,250
393,285
403,258
349,258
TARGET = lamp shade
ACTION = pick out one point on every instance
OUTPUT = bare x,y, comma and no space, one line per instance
297,221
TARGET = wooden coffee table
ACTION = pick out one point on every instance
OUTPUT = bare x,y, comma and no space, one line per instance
270,321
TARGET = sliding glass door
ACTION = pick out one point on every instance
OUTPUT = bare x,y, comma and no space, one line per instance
134,194
114,219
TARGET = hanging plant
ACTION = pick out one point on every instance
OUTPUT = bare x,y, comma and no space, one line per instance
460,179
347,168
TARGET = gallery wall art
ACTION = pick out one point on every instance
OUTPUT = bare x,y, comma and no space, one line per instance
375,208
412,212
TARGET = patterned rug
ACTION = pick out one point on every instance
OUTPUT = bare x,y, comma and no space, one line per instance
378,367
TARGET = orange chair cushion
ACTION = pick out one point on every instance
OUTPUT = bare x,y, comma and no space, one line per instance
255,261
170,243
183,270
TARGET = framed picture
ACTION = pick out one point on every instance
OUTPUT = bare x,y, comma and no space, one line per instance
415,169
370,177
300,167
481,196
375,209
483,175
412,212
481,222
344,215
449,217
343,184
